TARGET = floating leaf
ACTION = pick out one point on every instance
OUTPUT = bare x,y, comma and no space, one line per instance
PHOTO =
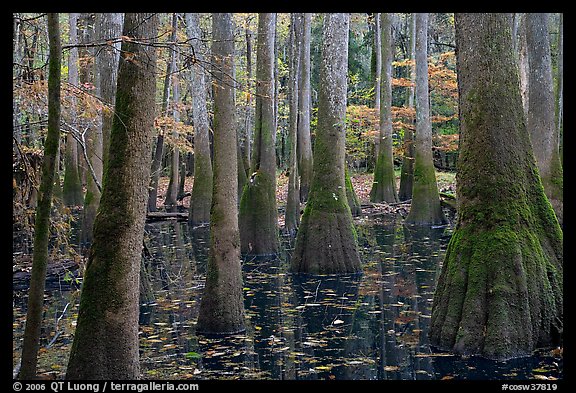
193,355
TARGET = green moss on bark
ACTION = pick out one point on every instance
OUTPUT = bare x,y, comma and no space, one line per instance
499,294
258,217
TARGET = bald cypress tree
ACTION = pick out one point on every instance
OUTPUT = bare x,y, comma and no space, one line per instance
499,293
201,199
222,306
34,313
258,212
384,184
106,338
326,242
541,110
425,208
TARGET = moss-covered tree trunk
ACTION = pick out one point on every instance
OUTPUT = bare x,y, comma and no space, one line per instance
258,212
34,313
499,293
384,184
106,338
326,241
407,171
305,159
222,306
541,113
425,208
201,198
292,215
72,187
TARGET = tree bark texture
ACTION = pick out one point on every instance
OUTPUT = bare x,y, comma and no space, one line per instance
201,198
499,293
326,241
222,306
106,339
541,114
384,184
258,212
31,343
425,208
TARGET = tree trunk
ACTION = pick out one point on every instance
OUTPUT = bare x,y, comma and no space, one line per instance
560,87
541,120
106,339
247,134
377,73
108,27
305,160
93,145
170,200
384,184
222,306
425,208
72,188
201,198
258,212
407,171
31,343
326,242
292,214
499,293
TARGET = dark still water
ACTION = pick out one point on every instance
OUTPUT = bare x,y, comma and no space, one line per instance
372,326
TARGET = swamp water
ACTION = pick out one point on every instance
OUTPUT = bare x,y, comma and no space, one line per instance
372,326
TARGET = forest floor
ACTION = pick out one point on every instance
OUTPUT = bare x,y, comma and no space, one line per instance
361,181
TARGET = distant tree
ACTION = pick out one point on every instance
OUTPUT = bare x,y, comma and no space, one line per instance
407,171
93,138
425,208
560,85
34,313
292,215
305,159
105,342
159,145
201,198
222,306
170,201
499,293
384,183
541,110
326,242
258,212
108,28
72,187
